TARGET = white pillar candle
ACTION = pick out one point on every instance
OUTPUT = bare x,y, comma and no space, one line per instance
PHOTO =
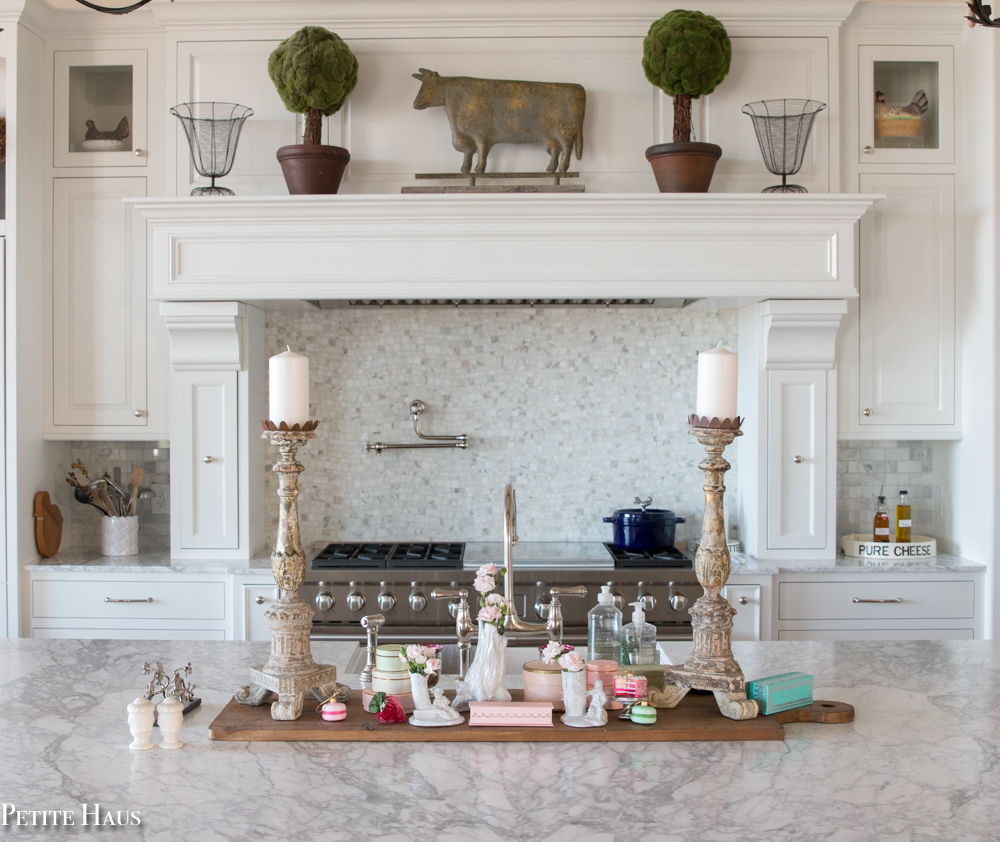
288,388
716,384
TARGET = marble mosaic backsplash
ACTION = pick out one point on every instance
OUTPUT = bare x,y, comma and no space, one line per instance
865,467
581,409
82,523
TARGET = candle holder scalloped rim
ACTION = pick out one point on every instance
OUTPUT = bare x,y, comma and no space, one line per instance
715,423
282,427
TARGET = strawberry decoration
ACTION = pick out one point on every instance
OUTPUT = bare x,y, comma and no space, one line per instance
387,709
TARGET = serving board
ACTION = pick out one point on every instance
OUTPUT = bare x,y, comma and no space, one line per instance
696,718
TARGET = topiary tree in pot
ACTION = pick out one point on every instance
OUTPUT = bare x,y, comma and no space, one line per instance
314,71
685,54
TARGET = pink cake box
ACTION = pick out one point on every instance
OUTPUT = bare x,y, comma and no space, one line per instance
531,714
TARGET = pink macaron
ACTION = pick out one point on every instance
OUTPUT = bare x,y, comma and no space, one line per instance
334,711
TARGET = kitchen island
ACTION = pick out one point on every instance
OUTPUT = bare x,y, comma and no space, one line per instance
919,763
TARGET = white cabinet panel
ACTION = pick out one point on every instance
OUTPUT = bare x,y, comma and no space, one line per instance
746,599
796,459
128,600
256,600
129,634
907,304
876,634
98,305
877,600
207,460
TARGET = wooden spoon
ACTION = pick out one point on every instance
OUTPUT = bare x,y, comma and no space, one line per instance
137,477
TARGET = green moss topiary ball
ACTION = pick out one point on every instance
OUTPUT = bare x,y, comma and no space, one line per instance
314,68
686,53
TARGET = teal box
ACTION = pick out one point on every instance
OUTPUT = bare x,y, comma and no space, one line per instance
781,692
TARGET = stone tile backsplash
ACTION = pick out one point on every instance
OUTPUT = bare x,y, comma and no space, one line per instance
583,410
863,467
82,523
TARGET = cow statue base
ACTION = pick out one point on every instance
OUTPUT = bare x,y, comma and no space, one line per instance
472,184
485,112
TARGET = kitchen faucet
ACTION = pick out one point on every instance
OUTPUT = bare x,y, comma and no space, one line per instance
514,625
463,623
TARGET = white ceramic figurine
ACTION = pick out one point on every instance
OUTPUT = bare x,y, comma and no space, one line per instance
596,714
439,714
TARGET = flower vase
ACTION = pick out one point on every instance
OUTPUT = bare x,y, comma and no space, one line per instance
484,681
418,687
574,686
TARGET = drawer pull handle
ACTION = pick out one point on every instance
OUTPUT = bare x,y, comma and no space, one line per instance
109,599
879,601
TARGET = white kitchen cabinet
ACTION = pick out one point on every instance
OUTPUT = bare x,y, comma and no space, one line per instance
98,330
204,455
747,600
907,303
128,605
877,634
796,459
256,599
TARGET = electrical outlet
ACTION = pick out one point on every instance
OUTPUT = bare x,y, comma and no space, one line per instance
160,504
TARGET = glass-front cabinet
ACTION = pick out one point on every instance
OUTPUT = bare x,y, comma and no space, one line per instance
906,98
100,108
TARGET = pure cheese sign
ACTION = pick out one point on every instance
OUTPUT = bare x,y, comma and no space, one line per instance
861,546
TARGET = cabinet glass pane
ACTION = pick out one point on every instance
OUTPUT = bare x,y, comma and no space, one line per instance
102,96
906,113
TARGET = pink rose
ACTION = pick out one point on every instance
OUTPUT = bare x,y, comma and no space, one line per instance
487,570
432,665
484,584
552,651
571,661
490,614
495,599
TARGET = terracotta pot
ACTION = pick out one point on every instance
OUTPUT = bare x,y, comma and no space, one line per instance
683,167
311,169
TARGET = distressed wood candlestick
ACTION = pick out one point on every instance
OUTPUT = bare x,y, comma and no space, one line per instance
290,671
711,665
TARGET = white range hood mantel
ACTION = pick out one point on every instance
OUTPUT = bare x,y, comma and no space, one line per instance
747,246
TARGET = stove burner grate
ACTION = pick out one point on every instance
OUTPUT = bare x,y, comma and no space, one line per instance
669,557
425,556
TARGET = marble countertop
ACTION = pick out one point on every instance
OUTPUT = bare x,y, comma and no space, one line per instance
918,763
159,561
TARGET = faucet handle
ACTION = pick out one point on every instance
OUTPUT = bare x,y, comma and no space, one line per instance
450,593
575,590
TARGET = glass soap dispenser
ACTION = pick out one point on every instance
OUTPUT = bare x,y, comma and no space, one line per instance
638,638
604,629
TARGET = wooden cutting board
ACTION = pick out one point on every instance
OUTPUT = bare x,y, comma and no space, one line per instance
696,718
48,525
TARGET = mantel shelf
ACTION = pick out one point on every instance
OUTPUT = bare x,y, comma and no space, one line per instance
503,246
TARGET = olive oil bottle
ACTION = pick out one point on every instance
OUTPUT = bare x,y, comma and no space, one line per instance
880,525
903,522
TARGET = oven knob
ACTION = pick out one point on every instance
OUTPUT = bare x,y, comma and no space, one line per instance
678,602
386,601
355,600
324,601
418,602
647,599
542,609
617,599
453,608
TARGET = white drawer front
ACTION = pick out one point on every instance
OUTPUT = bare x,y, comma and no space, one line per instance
171,600
876,600
876,634
131,634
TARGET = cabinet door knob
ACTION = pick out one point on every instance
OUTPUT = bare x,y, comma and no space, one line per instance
866,412
743,600
138,153
207,459
797,460
868,150
138,413
259,600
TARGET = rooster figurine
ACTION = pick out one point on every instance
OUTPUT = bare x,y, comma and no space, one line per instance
899,120
119,133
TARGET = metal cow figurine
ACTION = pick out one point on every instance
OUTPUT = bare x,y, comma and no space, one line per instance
484,112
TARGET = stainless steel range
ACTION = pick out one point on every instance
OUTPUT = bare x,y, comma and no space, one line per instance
348,581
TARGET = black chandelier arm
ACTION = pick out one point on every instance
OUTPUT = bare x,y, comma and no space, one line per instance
123,10
981,14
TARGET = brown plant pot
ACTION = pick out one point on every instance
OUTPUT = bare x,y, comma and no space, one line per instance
311,169
683,167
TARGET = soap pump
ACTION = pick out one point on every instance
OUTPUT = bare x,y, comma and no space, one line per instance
639,638
604,628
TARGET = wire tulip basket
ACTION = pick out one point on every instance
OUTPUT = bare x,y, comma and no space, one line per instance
783,127
213,131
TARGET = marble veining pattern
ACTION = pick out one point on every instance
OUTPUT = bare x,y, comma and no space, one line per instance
919,764
582,410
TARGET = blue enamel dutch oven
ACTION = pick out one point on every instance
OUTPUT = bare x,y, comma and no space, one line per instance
644,529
